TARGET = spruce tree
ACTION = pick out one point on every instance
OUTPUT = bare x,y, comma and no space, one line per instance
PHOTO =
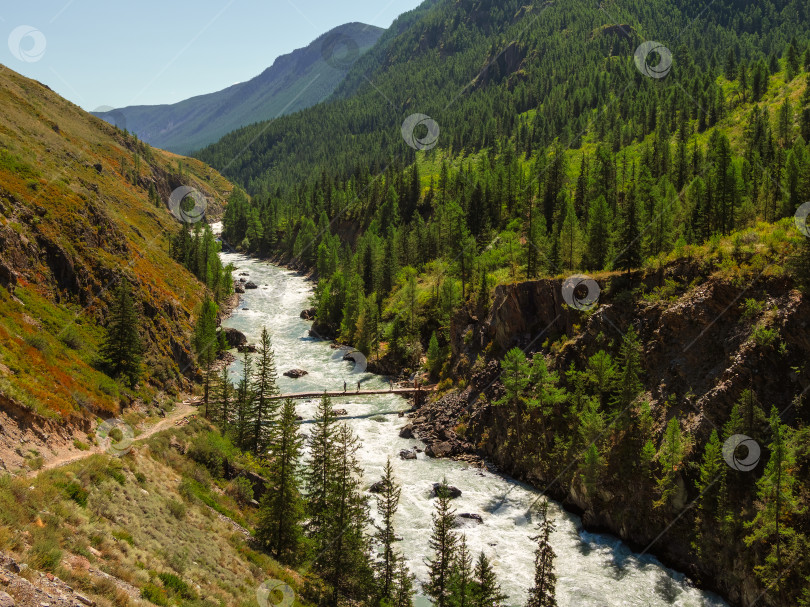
712,474
223,398
777,505
345,559
282,508
244,402
629,244
206,345
486,591
544,591
443,541
403,588
122,349
628,380
319,474
387,504
264,387
461,576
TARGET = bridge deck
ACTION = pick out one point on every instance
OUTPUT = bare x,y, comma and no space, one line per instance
348,393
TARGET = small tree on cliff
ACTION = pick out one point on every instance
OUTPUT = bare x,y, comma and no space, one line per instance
121,351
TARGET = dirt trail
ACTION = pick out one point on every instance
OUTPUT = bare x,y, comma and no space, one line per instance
181,411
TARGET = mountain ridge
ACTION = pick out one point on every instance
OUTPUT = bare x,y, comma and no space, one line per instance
294,81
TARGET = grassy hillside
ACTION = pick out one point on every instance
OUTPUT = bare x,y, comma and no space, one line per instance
154,527
76,215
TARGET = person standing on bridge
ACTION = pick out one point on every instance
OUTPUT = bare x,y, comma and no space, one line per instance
344,386
358,386
390,385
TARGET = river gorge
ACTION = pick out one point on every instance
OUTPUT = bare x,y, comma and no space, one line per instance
594,570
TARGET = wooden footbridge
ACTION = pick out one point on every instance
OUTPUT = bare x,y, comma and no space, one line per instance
351,393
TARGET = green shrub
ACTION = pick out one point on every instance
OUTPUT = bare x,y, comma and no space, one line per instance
178,509
154,594
765,337
77,493
751,308
46,554
174,584
211,450
71,338
241,489
39,342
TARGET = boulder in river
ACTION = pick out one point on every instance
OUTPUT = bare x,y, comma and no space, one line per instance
243,274
439,449
295,373
235,338
237,288
407,454
406,431
377,487
340,412
308,314
251,285
471,516
250,348
452,492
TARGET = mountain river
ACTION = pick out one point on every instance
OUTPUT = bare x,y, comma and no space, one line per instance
594,570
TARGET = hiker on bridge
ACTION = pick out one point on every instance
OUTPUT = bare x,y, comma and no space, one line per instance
390,385
358,386
344,386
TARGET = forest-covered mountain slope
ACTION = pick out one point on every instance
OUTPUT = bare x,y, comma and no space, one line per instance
84,206
560,153
295,81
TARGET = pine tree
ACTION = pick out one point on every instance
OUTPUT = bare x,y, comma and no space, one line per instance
598,234
122,349
320,472
544,591
387,504
282,508
206,345
344,560
223,398
570,240
264,387
712,475
515,377
443,541
486,591
777,505
628,380
461,576
673,450
433,356
403,588
629,244
244,402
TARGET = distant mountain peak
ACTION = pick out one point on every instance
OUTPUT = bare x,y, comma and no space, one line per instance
293,82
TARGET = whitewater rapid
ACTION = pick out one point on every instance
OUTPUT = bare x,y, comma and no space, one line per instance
593,570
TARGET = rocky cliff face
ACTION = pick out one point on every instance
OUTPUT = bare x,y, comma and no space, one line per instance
698,355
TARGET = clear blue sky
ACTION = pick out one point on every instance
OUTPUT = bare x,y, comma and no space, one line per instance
118,53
